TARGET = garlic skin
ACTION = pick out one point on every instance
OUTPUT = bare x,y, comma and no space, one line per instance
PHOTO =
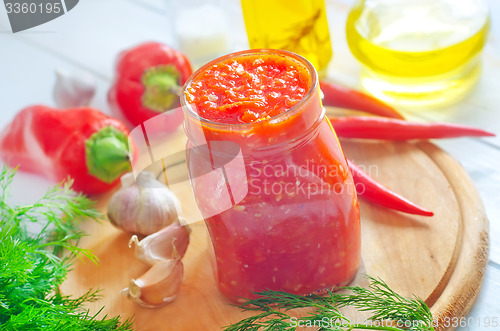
142,206
170,242
158,286
73,89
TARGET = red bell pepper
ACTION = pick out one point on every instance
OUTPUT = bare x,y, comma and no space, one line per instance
377,193
90,147
344,97
147,83
392,129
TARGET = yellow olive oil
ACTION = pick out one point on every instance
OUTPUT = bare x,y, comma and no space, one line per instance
298,26
418,53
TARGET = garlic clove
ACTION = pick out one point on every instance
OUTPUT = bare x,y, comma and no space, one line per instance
143,206
73,89
169,243
127,179
158,286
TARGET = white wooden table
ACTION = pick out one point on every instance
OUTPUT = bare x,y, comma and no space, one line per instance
89,37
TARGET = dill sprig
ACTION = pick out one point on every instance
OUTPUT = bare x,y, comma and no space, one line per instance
38,243
389,310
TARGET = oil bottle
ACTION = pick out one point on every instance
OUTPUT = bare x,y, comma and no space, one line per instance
417,54
299,26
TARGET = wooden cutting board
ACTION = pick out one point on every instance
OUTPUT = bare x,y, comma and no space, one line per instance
440,259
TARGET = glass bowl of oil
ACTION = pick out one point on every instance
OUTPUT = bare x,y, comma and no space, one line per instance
417,54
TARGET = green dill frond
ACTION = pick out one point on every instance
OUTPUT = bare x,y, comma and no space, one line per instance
268,320
387,307
281,300
384,303
36,262
6,177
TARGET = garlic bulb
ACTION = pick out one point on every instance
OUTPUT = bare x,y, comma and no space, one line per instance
73,89
168,243
143,206
158,286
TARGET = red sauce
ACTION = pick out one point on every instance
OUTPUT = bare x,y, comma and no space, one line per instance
297,229
248,89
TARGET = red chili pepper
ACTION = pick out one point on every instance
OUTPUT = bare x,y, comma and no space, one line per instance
82,143
392,129
147,83
379,194
343,97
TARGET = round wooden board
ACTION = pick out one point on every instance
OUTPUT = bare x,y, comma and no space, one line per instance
440,259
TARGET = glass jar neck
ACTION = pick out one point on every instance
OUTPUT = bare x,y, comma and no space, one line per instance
272,135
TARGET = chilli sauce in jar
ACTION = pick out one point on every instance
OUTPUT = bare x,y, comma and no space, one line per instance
282,214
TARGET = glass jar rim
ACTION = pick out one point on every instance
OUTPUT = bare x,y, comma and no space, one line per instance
188,109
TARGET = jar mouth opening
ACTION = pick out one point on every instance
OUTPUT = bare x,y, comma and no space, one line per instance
188,107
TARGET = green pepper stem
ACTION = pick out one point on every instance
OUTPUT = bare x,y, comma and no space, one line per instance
107,154
161,88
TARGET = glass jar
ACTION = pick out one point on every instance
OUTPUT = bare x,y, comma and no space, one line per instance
201,28
277,196
418,53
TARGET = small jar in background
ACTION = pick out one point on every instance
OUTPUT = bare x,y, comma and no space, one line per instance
418,54
201,29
